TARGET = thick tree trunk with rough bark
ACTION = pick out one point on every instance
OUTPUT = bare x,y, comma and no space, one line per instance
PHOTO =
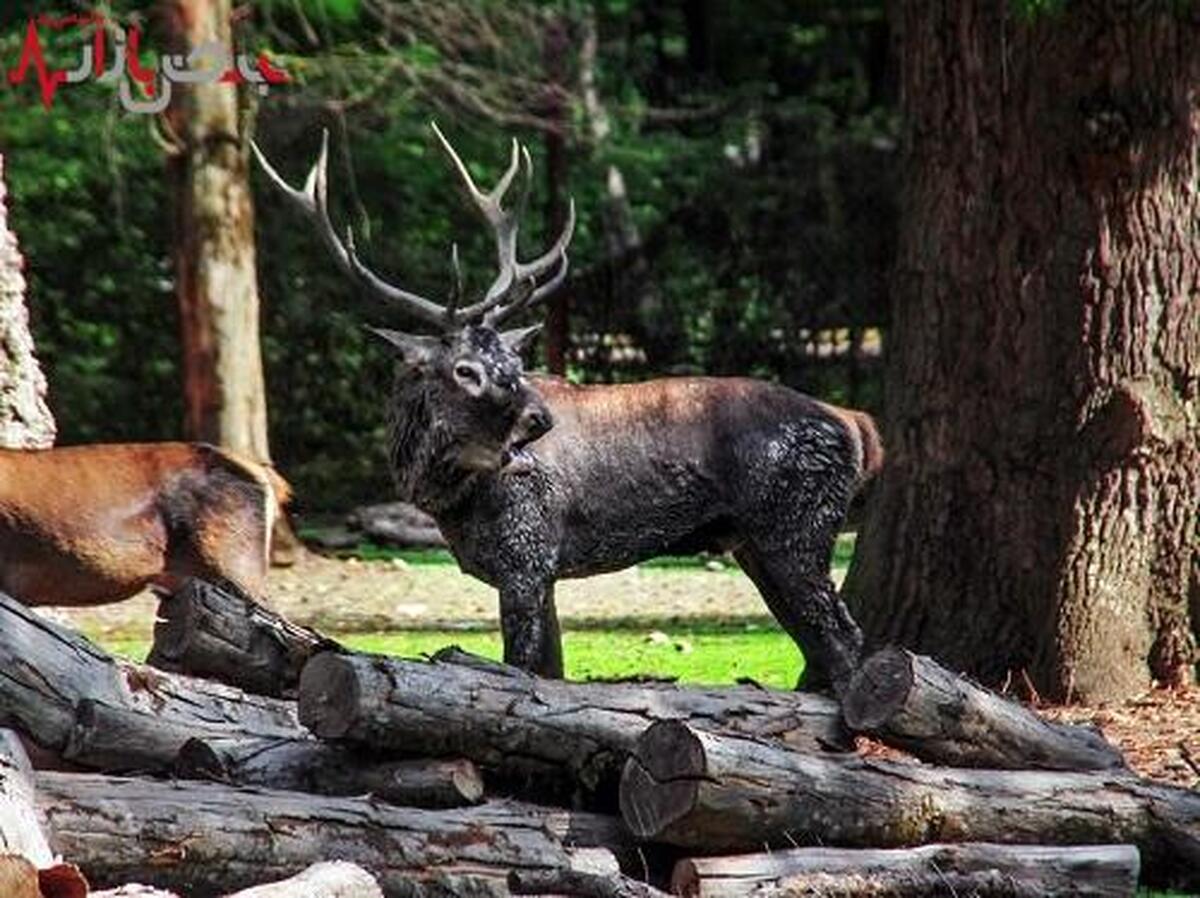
975,868
216,281
25,419
911,702
204,839
712,792
1038,510
562,738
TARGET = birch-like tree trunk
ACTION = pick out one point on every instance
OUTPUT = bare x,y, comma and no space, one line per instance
25,419
216,282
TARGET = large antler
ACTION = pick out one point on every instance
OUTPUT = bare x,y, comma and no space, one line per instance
313,202
516,285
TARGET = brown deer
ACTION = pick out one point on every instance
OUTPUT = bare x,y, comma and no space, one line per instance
86,525
532,479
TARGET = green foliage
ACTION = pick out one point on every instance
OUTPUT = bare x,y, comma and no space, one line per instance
759,173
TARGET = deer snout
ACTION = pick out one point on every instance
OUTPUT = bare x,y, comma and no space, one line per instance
535,421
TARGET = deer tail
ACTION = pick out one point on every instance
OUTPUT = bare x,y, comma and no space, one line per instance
870,443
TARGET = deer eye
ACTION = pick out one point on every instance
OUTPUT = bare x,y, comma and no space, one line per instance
468,374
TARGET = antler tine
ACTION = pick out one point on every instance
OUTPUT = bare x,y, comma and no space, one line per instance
530,297
546,260
313,203
456,289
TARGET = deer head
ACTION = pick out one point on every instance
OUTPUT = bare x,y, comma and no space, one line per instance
468,376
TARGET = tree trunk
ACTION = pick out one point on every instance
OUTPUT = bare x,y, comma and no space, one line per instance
564,737
203,839
25,419
216,282
713,792
206,630
579,882
72,698
1029,871
1038,510
306,765
328,879
911,702
555,49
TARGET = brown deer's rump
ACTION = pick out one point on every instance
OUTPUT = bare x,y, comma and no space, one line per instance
86,525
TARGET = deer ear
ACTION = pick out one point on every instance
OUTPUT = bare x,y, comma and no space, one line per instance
411,349
520,339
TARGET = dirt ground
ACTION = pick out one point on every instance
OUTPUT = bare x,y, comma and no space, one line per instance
1158,732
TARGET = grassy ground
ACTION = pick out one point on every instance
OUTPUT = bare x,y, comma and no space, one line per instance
695,653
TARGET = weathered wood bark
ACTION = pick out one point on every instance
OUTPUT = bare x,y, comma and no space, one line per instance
728,793
579,882
912,702
1025,870
216,280
1045,350
133,890
397,524
328,879
20,831
72,698
25,419
307,765
204,839
207,630
566,736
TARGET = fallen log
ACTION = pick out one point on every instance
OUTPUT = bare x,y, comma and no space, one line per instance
328,879
206,839
913,703
580,882
564,737
20,830
1099,871
727,793
72,698
212,631
307,765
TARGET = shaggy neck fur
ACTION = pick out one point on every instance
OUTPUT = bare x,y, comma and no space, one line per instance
424,452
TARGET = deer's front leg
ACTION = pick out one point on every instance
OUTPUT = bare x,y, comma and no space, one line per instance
529,624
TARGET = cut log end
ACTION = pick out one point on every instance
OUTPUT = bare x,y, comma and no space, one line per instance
330,691
878,689
660,781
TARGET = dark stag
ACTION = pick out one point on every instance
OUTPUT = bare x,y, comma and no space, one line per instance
532,479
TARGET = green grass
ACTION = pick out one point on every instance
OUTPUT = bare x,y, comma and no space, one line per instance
703,653
366,551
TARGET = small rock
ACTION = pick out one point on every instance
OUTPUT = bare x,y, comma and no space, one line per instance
400,564
714,564
657,637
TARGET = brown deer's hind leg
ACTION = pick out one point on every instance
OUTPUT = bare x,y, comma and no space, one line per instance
226,539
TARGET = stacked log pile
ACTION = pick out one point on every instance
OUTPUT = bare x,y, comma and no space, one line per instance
268,749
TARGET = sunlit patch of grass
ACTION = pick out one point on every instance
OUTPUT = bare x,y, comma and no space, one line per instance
704,654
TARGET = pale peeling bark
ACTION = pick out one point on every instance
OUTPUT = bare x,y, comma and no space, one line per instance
216,283
1038,511
25,419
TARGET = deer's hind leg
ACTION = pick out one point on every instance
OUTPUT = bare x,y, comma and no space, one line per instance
788,528
225,539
